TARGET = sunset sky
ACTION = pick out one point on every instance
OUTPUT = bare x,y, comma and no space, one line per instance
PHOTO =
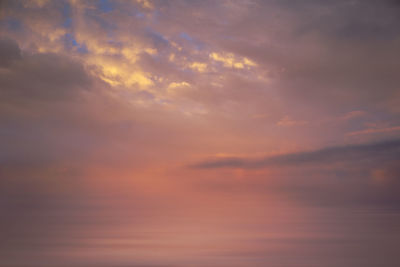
200,133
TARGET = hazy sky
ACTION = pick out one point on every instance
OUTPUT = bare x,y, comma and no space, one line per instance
199,133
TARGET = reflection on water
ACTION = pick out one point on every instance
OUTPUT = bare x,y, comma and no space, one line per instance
202,230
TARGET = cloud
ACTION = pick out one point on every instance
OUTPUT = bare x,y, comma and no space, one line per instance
382,151
42,76
287,121
9,52
375,130
354,175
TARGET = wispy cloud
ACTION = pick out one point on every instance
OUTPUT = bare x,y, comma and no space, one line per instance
375,130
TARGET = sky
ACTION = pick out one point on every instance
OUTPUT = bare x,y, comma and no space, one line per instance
199,133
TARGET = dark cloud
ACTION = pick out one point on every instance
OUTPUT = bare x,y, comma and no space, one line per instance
42,76
43,112
382,151
365,175
9,52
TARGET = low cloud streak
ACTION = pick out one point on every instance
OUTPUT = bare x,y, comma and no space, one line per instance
387,150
